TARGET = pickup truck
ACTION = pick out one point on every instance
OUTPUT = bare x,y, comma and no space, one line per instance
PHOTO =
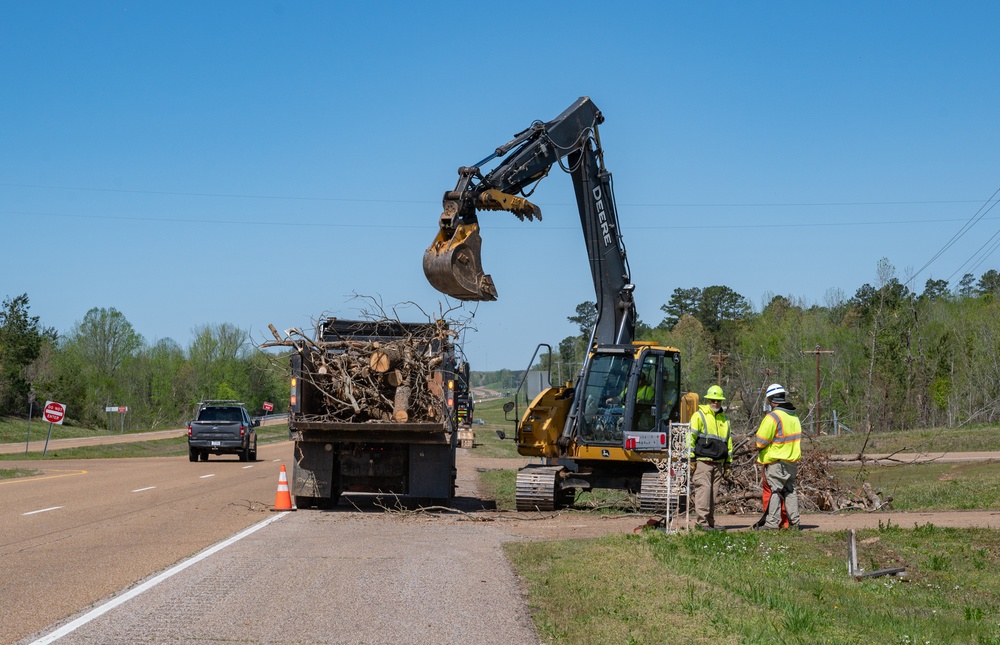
222,428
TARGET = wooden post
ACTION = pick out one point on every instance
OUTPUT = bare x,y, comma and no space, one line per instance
817,352
719,359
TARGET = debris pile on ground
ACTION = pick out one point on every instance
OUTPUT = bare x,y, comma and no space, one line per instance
372,381
819,489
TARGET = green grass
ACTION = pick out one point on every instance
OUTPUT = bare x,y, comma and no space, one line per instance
14,430
742,587
487,443
13,473
173,447
498,485
965,439
933,486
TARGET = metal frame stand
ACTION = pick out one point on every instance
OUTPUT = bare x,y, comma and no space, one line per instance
678,473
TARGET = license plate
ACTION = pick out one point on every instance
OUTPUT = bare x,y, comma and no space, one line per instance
216,443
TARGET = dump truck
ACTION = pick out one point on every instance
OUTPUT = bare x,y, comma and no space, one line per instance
372,410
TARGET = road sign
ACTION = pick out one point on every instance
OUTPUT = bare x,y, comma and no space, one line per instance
268,406
54,412
123,409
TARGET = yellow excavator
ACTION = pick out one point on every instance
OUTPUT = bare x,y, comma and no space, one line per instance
602,432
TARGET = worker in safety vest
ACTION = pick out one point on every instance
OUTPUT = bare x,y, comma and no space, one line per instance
779,439
711,448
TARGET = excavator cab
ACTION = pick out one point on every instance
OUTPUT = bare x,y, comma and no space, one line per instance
626,390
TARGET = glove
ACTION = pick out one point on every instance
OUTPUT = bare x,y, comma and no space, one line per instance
725,470
694,464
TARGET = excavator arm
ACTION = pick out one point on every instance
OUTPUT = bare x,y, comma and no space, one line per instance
453,262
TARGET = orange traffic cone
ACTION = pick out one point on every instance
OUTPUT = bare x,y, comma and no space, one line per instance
283,500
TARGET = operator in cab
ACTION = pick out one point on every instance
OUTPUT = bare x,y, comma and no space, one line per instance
711,447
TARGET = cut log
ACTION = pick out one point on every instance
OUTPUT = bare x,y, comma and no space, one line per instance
394,378
401,404
872,496
385,359
434,387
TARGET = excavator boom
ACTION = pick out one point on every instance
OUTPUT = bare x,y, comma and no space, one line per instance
453,262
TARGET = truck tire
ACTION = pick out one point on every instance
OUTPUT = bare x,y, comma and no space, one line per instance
204,455
192,454
245,453
253,451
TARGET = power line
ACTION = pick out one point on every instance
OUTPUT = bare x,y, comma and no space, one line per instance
976,217
181,220
410,201
993,242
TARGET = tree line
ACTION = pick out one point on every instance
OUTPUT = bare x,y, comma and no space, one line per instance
892,358
103,361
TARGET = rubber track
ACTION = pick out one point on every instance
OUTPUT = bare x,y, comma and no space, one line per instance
536,488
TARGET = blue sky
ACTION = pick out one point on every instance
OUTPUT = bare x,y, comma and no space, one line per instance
192,163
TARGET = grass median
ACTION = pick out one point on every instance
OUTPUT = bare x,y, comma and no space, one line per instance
172,447
747,588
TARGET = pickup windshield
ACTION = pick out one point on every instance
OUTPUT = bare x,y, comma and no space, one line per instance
221,414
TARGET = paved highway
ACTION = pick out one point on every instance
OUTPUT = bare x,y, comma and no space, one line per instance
84,529
88,533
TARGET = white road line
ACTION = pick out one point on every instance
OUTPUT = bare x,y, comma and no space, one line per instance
139,490
207,476
51,508
245,467
149,584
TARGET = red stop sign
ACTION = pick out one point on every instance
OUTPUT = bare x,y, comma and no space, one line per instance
268,406
54,412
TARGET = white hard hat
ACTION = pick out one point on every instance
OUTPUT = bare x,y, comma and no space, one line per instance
775,390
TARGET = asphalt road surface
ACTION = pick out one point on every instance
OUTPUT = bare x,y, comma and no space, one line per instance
84,532
85,535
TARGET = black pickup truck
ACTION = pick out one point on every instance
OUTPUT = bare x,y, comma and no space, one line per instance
222,428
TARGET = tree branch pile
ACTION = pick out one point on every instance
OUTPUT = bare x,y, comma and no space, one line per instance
364,381
818,488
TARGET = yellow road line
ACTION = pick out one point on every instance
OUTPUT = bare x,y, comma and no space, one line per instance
18,480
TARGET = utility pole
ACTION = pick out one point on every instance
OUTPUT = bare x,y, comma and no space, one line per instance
719,359
818,352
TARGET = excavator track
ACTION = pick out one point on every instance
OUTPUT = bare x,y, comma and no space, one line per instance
536,488
654,496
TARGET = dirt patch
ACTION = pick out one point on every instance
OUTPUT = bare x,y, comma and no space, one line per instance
568,524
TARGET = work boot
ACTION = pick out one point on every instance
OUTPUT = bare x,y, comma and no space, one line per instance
763,527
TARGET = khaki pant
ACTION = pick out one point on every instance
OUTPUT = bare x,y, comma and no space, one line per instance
780,477
706,481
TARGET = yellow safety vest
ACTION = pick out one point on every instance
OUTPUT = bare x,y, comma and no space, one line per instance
779,437
706,422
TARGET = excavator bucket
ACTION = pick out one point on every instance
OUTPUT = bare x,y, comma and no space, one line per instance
454,267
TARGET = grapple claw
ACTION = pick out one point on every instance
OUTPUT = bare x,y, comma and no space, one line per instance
453,264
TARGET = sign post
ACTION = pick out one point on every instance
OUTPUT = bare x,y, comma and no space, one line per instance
31,409
120,409
54,412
